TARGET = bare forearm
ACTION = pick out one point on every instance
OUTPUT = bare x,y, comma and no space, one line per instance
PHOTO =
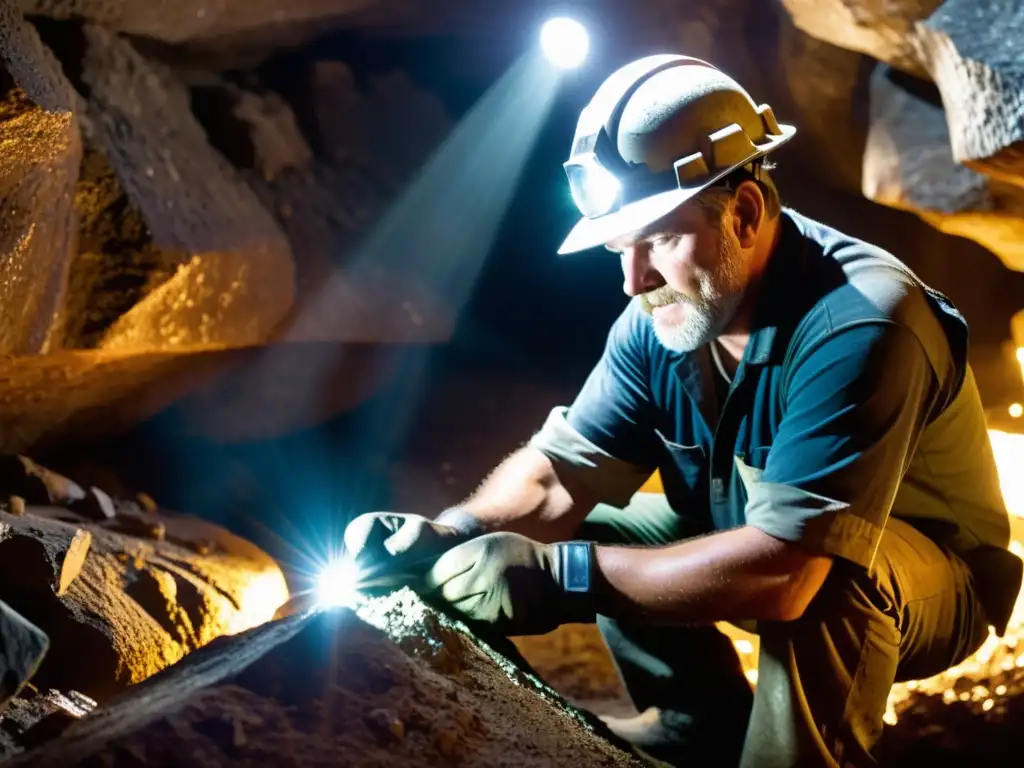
739,574
525,495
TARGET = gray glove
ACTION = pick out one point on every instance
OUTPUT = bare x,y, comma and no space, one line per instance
516,585
393,549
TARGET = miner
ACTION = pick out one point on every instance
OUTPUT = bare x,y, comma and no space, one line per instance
806,399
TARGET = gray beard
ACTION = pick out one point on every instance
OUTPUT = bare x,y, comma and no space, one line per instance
704,322
709,314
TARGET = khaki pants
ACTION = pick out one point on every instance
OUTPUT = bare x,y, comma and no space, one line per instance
823,680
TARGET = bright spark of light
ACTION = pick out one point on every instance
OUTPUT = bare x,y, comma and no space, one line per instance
565,42
1016,410
337,585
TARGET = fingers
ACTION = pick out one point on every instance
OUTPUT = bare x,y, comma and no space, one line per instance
369,531
456,562
411,531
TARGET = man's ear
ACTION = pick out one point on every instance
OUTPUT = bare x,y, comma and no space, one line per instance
749,213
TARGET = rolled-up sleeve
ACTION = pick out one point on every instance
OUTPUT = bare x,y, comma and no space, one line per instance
615,409
855,404
579,461
606,439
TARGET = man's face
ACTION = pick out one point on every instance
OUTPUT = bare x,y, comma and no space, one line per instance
688,272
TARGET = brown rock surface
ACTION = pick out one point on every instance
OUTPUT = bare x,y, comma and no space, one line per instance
883,29
47,399
278,143
117,264
908,164
325,689
34,718
40,150
179,251
20,476
31,65
238,282
178,20
120,610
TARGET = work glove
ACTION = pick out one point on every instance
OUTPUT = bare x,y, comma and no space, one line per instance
515,585
393,550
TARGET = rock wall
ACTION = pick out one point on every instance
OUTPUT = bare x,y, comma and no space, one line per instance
946,138
156,216
164,208
236,281
40,151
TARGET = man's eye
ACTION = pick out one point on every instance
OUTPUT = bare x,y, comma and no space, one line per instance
662,241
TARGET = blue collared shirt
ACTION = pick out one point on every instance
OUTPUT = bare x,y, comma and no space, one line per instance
853,401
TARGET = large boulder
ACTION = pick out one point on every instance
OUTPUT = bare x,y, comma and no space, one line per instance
908,164
883,30
40,150
121,598
974,54
971,52
236,282
404,686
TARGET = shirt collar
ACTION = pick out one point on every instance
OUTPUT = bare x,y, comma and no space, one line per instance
774,302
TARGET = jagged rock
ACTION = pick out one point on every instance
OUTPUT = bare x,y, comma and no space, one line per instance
137,605
908,164
117,264
974,53
21,476
317,688
22,647
32,66
883,30
96,505
238,283
278,143
40,150
144,526
40,553
33,718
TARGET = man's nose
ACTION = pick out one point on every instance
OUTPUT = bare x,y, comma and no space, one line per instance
639,276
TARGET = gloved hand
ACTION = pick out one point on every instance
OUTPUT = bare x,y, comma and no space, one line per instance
393,549
517,585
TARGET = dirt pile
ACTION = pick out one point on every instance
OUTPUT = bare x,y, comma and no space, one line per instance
331,689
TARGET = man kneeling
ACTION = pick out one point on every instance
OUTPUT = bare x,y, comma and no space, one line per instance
828,479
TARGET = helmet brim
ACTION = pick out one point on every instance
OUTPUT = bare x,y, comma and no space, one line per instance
589,233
